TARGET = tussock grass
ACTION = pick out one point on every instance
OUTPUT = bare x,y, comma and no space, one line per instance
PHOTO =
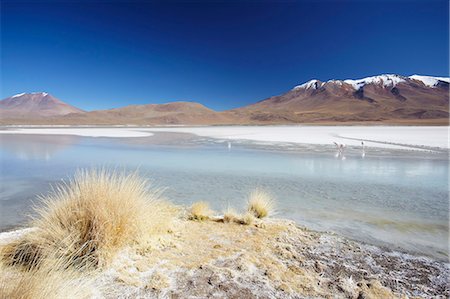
93,216
50,278
230,215
260,204
246,219
200,211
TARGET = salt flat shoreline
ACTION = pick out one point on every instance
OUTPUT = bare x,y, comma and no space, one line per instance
317,263
84,132
156,249
393,137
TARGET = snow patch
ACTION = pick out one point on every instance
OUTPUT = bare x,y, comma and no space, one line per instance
338,82
18,95
314,84
429,80
385,80
34,93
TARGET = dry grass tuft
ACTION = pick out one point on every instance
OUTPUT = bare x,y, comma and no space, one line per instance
230,215
246,219
23,252
200,211
50,278
260,204
92,217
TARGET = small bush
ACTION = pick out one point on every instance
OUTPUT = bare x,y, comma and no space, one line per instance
246,219
260,204
230,215
200,211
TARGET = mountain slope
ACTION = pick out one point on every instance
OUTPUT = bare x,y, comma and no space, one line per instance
34,105
378,98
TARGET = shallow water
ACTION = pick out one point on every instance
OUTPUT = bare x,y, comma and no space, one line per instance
397,199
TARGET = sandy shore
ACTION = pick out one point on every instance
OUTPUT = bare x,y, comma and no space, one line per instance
271,259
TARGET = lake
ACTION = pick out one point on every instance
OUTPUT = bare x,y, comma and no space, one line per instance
386,197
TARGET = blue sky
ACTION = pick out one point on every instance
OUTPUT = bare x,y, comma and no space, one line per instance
222,54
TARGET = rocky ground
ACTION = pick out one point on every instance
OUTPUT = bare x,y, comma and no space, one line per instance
268,259
272,258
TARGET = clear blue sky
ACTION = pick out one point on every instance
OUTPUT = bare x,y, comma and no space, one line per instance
222,54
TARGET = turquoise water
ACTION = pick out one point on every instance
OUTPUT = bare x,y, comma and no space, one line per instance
393,199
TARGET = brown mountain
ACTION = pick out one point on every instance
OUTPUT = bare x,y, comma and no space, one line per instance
151,114
34,105
379,99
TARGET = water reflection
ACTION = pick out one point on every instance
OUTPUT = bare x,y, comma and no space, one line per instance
35,147
363,149
358,195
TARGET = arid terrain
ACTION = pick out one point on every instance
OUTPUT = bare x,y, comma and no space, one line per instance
272,258
107,235
390,99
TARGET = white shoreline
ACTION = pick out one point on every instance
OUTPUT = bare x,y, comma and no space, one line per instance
85,132
414,136
11,236
400,137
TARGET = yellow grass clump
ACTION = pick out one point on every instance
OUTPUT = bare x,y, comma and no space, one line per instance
230,215
200,211
246,219
50,278
92,217
260,204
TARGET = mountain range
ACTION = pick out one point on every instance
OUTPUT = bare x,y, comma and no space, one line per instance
379,99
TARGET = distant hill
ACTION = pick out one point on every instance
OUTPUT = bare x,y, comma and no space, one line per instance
152,114
378,99
34,105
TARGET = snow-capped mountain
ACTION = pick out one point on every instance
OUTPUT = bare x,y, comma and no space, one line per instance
34,105
376,98
381,80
